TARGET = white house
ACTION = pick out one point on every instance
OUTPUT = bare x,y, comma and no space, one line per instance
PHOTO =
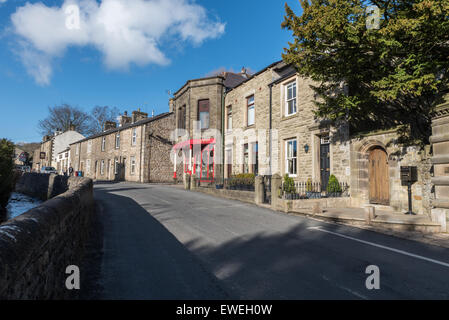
63,161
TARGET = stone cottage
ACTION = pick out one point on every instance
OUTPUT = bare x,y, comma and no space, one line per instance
137,150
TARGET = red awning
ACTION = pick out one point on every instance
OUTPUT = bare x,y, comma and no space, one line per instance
191,142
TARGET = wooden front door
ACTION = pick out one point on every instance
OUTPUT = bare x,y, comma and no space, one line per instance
379,180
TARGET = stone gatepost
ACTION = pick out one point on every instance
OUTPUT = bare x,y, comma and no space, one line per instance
276,183
193,183
440,161
259,190
187,181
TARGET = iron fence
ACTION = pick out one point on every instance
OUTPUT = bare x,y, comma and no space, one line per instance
314,190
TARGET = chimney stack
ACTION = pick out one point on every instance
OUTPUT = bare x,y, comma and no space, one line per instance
124,119
244,72
108,125
138,115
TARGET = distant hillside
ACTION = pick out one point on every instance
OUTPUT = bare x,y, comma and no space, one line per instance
28,147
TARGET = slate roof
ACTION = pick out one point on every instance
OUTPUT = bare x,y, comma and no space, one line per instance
125,126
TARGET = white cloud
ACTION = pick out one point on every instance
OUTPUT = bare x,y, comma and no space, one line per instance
124,31
2,1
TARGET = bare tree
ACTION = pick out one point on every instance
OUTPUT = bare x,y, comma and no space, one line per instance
101,114
62,117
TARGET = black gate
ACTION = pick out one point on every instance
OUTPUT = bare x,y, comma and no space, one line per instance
267,189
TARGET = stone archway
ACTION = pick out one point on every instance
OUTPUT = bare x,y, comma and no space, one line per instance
363,179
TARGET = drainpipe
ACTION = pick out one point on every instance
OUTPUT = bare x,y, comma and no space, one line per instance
223,96
142,145
271,125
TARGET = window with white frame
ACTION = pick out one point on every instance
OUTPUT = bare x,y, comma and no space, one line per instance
88,166
229,118
134,138
102,167
77,149
133,164
245,158
103,143
89,146
291,153
251,111
290,98
117,140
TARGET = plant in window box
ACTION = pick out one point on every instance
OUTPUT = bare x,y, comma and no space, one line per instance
333,187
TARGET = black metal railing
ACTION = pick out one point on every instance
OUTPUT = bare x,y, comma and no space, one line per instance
228,184
235,184
314,190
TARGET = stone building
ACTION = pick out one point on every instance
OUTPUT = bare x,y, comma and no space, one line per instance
440,161
198,107
137,150
18,153
269,126
47,153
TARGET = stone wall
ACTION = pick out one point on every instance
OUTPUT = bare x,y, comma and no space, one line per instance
41,186
158,166
398,156
244,196
440,161
37,247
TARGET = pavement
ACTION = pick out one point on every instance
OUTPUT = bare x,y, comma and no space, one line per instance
162,242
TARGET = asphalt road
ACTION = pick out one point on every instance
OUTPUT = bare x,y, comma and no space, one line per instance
161,242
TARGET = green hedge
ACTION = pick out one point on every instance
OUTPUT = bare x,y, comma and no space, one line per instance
289,184
333,186
247,179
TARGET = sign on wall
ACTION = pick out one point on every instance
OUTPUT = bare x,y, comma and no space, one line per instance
42,155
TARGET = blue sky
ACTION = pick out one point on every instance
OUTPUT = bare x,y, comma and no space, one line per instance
99,70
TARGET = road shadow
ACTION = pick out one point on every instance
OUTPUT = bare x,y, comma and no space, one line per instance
144,260
303,263
140,259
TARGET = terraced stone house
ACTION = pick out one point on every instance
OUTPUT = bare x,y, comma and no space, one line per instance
269,126
136,150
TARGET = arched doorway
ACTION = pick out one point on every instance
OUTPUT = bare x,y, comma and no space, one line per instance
379,179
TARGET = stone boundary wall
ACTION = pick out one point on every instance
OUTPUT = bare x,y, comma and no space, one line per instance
244,196
37,247
42,186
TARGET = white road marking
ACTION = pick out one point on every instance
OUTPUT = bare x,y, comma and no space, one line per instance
221,207
444,264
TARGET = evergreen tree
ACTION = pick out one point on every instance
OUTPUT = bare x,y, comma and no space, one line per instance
374,76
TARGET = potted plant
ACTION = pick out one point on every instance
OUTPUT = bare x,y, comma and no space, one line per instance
333,187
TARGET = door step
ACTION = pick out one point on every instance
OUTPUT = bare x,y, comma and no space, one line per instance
380,207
